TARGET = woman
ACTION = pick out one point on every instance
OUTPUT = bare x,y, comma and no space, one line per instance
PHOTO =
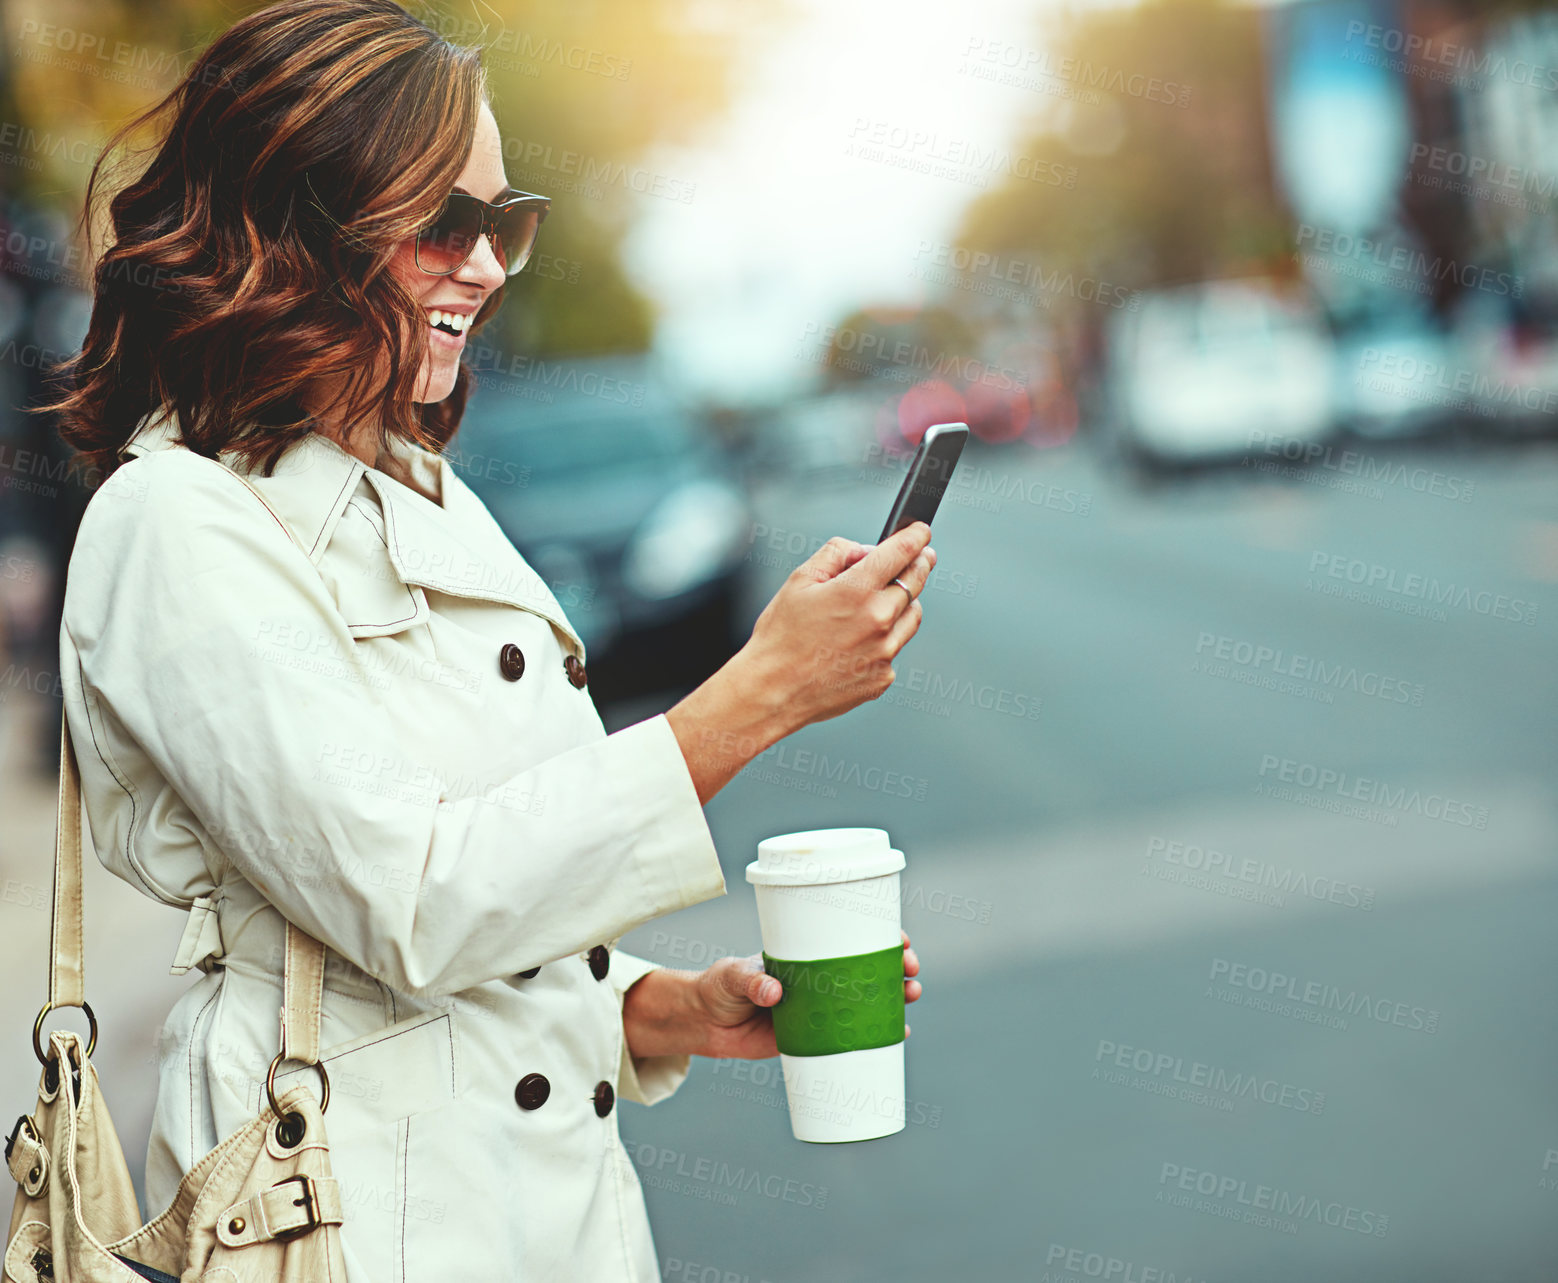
309,679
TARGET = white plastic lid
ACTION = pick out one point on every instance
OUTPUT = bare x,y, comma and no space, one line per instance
823,855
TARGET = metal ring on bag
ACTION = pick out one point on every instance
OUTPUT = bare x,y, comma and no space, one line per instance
270,1086
37,1028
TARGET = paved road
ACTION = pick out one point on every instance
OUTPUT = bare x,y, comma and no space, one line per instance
1103,1082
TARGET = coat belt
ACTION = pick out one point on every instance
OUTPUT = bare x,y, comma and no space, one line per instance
201,944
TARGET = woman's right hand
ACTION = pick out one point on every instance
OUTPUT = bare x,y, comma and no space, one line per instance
829,636
825,643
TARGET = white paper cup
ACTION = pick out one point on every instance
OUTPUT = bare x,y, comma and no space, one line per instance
823,894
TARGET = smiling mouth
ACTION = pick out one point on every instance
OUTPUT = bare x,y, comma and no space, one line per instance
454,324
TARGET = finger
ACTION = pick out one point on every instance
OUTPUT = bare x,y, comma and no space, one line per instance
911,962
912,989
764,990
917,574
835,556
889,558
904,627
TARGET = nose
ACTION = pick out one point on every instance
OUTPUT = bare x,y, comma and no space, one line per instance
482,267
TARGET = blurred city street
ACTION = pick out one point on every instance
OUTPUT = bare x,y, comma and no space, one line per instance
1224,762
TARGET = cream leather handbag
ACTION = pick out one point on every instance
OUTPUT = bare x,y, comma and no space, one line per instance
262,1207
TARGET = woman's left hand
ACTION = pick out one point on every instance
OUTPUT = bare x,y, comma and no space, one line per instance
733,998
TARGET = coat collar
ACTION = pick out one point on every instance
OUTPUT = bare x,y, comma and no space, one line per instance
455,547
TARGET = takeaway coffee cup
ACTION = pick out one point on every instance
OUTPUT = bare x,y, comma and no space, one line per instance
828,903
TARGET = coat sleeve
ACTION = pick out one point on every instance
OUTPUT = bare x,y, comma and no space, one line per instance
644,1079
174,577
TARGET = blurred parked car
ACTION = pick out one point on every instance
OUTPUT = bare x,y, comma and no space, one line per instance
616,493
1393,366
1210,371
820,437
1508,371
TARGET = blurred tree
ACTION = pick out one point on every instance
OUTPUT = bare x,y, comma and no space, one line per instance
582,91
1165,122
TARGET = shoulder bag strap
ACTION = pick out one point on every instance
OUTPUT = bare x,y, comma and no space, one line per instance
67,974
304,968
303,973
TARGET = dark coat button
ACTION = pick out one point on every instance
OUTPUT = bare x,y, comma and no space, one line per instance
531,974
532,1091
604,1099
511,662
577,673
600,961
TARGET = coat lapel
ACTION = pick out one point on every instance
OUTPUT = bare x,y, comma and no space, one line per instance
458,548
455,548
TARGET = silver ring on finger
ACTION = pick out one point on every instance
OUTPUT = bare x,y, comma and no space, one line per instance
904,586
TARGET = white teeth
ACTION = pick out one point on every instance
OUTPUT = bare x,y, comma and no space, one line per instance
458,321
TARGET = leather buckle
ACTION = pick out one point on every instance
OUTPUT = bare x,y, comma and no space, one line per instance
309,1202
10,1141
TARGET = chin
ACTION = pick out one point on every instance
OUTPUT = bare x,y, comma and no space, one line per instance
436,386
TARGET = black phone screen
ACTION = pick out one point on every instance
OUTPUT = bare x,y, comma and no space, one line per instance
930,471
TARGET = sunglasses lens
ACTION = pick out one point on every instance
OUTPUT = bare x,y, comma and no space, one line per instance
447,242
517,237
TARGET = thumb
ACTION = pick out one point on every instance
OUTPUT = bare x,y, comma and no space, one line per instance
891,557
740,981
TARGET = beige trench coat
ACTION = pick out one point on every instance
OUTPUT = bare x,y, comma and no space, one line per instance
383,732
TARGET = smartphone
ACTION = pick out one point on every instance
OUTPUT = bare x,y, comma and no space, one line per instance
929,472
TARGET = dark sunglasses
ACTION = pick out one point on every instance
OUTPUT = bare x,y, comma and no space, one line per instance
446,243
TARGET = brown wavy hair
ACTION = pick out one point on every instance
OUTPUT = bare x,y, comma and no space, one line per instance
249,256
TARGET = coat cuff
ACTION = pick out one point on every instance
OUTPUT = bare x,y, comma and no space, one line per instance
645,1079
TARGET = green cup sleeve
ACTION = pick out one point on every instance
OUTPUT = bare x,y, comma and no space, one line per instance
832,1005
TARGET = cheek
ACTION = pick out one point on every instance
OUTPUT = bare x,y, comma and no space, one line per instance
403,267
